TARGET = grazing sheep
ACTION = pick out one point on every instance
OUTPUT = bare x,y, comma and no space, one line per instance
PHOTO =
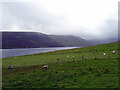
85,58
93,52
58,59
113,51
82,57
45,67
67,56
9,67
15,58
76,61
104,54
73,58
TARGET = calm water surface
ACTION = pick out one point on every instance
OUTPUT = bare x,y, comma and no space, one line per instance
26,51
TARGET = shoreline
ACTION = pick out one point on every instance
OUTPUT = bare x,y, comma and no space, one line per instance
42,52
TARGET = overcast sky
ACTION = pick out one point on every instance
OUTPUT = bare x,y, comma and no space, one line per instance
88,19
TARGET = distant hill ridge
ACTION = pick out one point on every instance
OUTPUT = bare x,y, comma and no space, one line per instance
70,40
27,40
38,40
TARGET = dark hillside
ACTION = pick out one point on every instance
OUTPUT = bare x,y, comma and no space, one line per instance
27,40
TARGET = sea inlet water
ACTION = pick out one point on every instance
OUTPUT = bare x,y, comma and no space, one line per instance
27,51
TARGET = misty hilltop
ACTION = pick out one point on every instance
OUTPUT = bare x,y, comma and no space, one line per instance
70,40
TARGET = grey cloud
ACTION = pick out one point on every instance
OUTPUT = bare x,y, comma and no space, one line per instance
109,29
26,16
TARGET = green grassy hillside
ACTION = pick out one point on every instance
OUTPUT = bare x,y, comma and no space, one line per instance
98,71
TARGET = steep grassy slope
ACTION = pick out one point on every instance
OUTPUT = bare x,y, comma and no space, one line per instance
97,71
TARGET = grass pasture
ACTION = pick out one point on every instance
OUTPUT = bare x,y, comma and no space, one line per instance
98,71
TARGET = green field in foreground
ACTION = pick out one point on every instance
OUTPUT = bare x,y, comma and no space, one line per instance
98,71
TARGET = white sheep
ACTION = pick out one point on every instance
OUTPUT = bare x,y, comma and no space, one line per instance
113,51
104,54
67,56
73,56
45,67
